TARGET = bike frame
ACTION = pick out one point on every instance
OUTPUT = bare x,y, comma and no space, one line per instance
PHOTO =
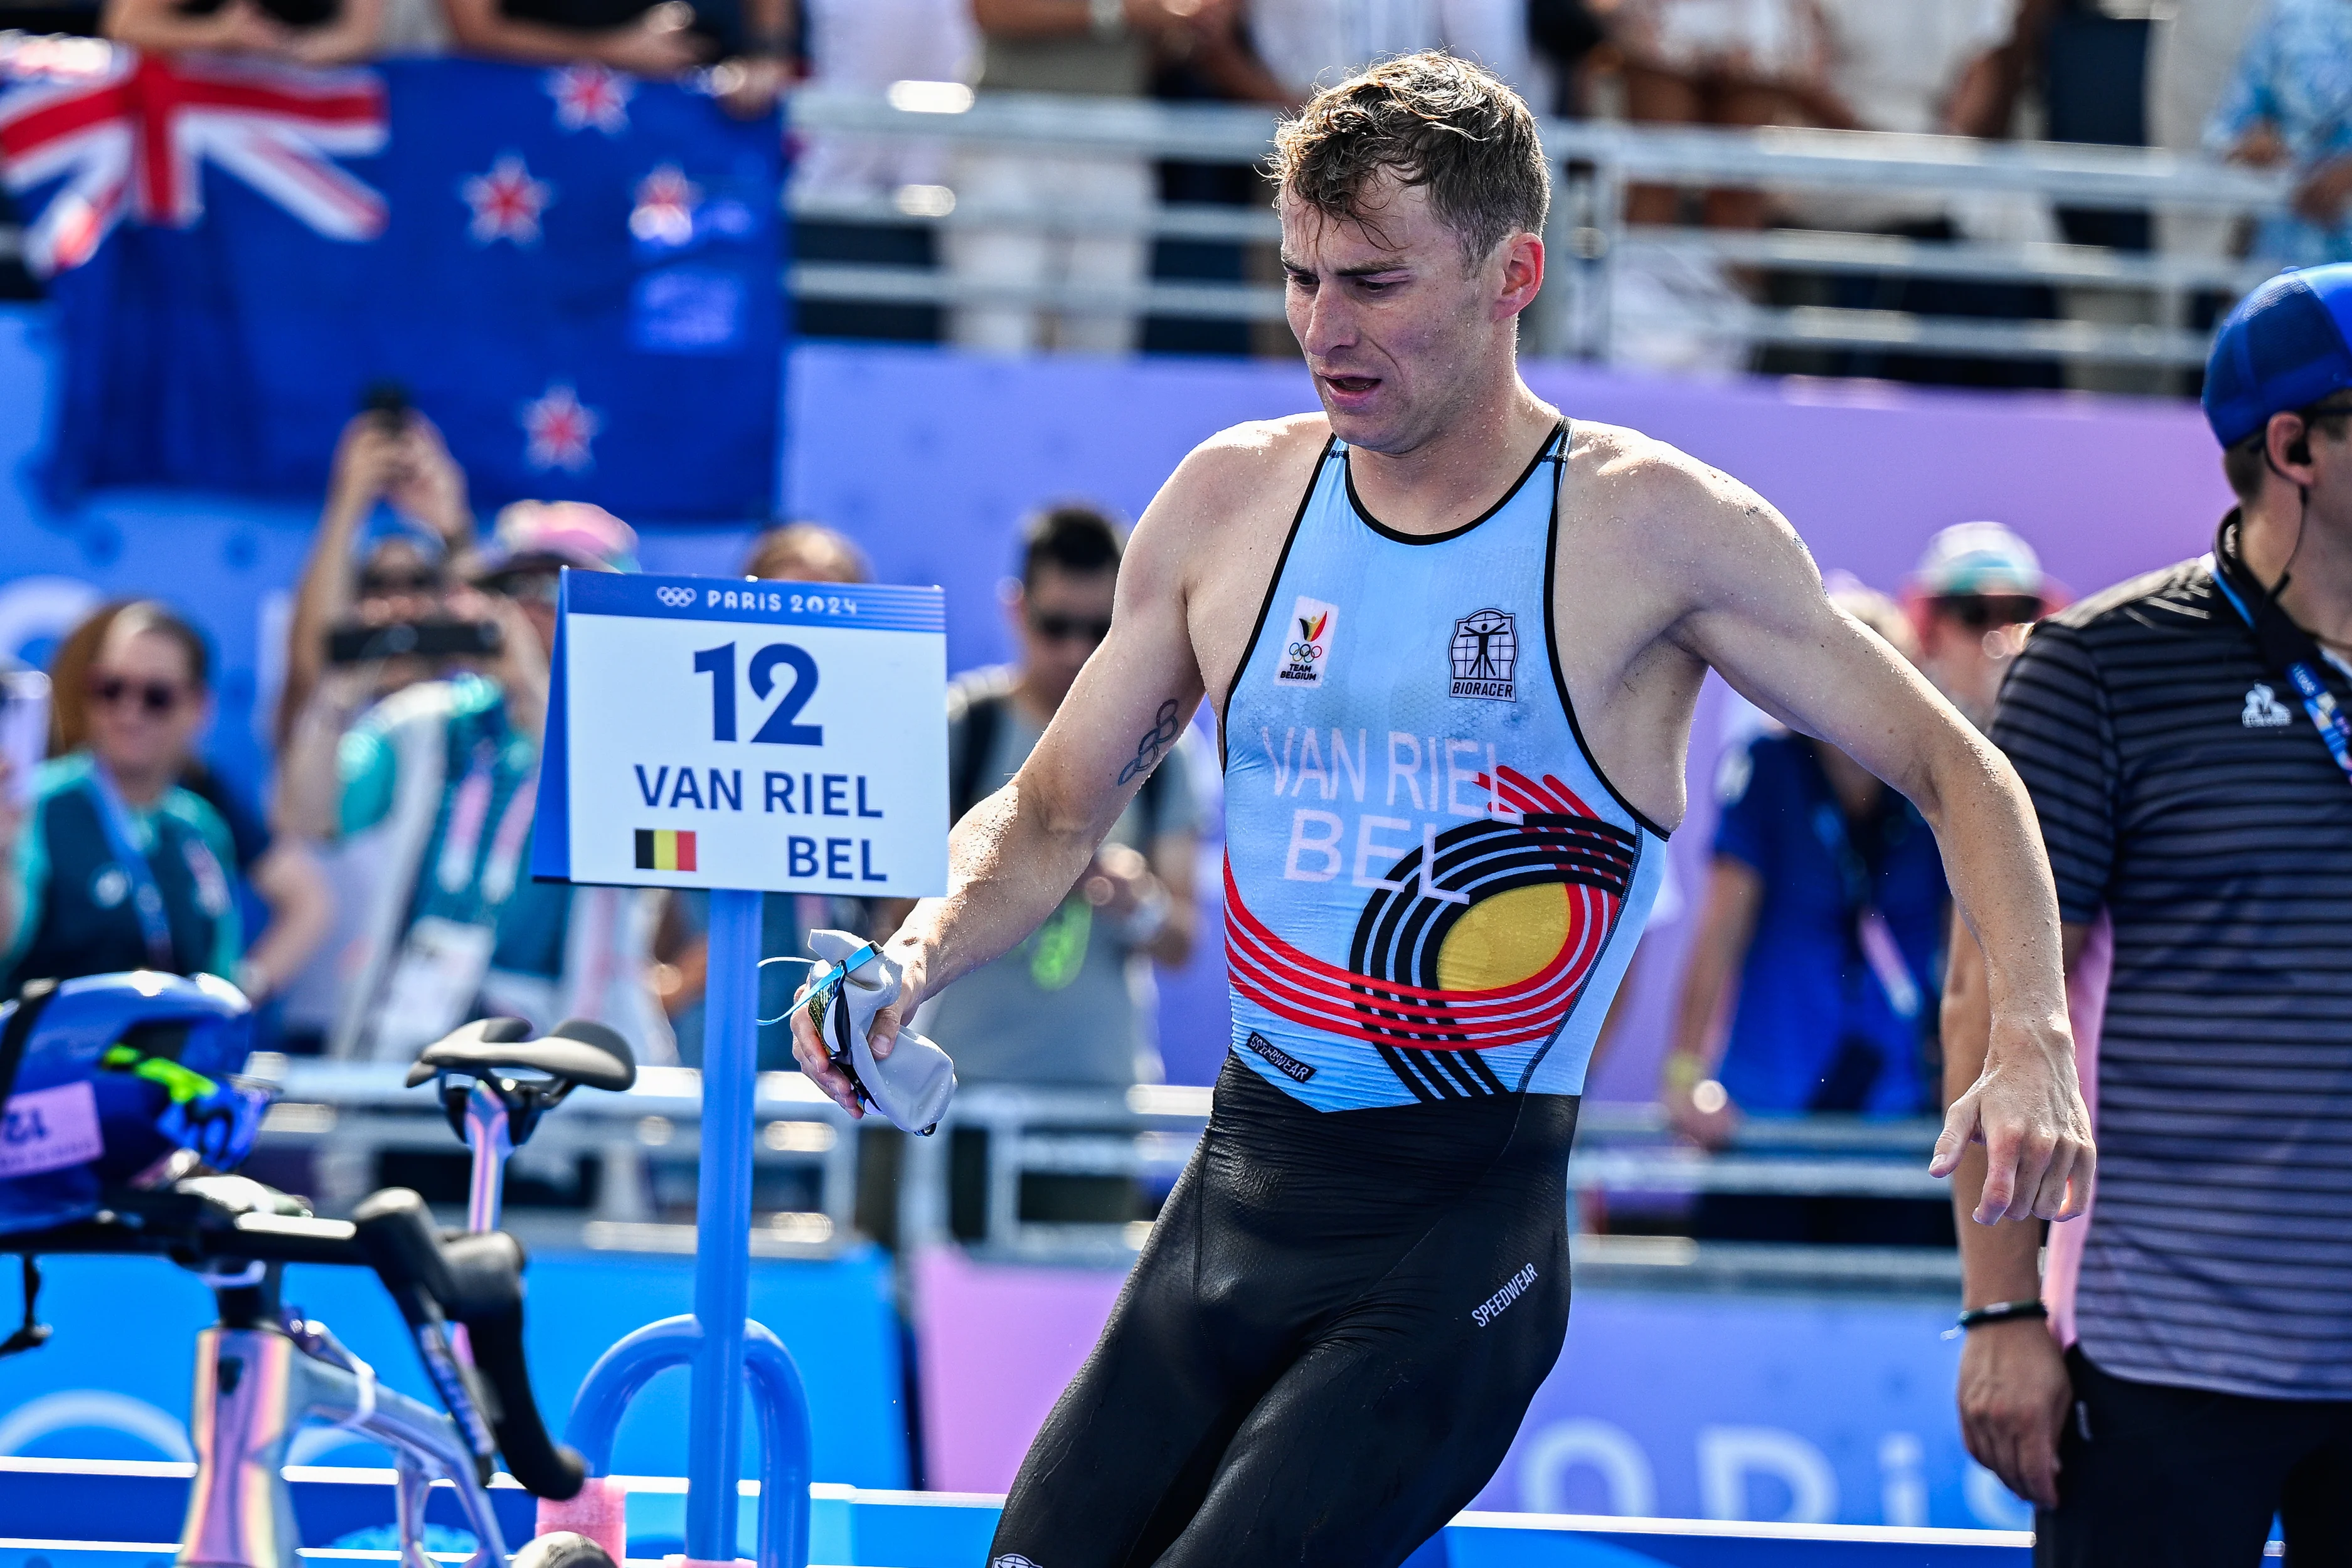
254,1388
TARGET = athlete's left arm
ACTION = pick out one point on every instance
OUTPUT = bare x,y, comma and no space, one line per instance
1752,606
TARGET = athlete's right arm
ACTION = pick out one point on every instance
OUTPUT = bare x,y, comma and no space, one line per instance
1015,855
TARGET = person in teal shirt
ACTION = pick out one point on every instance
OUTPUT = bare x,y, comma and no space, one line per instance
114,866
437,782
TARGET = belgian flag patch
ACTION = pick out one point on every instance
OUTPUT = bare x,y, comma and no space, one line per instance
665,849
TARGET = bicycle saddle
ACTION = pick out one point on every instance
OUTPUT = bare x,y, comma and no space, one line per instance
576,1053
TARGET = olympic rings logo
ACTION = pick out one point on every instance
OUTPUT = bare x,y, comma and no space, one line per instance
675,598
1306,650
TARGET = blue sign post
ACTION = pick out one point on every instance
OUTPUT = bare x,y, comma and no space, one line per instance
745,737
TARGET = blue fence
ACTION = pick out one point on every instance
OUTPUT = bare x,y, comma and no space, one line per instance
113,1381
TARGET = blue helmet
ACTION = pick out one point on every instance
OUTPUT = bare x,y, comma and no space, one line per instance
2287,346
111,1073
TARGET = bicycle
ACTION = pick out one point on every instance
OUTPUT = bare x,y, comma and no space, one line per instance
87,1060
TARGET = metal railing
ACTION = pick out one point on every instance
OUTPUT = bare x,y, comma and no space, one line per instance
1591,243
345,1117
1148,1133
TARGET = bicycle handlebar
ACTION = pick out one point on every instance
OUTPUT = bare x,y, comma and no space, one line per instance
471,1280
476,1280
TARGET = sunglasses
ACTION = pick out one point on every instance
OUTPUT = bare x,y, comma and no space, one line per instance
1063,627
1982,612
155,698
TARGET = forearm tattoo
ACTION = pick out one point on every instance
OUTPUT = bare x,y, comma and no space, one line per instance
1153,743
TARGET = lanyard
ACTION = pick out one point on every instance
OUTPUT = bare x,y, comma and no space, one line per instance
146,898
494,879
2282,643
1874,938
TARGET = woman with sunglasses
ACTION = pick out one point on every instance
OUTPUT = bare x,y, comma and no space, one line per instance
117,864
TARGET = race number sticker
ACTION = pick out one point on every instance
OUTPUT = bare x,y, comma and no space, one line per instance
50,1129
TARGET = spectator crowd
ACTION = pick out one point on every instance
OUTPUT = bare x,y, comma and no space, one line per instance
1053,246
1049,248
380,896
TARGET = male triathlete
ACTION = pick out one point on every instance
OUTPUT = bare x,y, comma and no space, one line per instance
1454,642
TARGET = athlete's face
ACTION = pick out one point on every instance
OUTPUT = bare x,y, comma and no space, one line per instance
1398,331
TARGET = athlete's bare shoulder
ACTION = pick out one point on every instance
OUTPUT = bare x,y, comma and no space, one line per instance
1678,543
1659,485
1689,531
1242,468
1212,536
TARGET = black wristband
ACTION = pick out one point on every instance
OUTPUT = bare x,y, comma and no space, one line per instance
2001,1312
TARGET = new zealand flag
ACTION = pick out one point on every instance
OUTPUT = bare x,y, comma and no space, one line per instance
574,273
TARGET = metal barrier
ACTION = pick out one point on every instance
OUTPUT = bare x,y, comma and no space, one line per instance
1589,241
346,1116
1147,1133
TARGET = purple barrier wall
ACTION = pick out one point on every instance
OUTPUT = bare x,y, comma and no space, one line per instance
1693,1406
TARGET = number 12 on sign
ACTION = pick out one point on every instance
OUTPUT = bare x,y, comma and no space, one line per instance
718,664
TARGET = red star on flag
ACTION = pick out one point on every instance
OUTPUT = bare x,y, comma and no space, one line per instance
507,201
560,427
589,95
665,204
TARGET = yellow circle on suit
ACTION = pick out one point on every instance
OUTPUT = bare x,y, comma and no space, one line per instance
1504,939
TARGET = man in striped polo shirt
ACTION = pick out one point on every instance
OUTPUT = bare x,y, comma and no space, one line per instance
2183,743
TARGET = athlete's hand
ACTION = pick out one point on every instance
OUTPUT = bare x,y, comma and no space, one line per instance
809,1049
2027,1110
817,1061
2013,1397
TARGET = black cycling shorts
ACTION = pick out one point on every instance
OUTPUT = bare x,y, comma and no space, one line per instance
1326,1348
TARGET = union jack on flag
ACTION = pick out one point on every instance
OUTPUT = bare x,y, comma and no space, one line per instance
128,134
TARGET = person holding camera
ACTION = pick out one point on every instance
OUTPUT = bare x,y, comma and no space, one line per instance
389,455
433,786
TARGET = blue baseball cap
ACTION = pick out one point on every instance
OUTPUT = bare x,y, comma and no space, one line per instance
2287,345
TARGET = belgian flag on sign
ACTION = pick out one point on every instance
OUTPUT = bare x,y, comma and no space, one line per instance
665,849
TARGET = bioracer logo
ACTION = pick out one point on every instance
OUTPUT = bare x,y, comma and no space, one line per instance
1306,650
1485,652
